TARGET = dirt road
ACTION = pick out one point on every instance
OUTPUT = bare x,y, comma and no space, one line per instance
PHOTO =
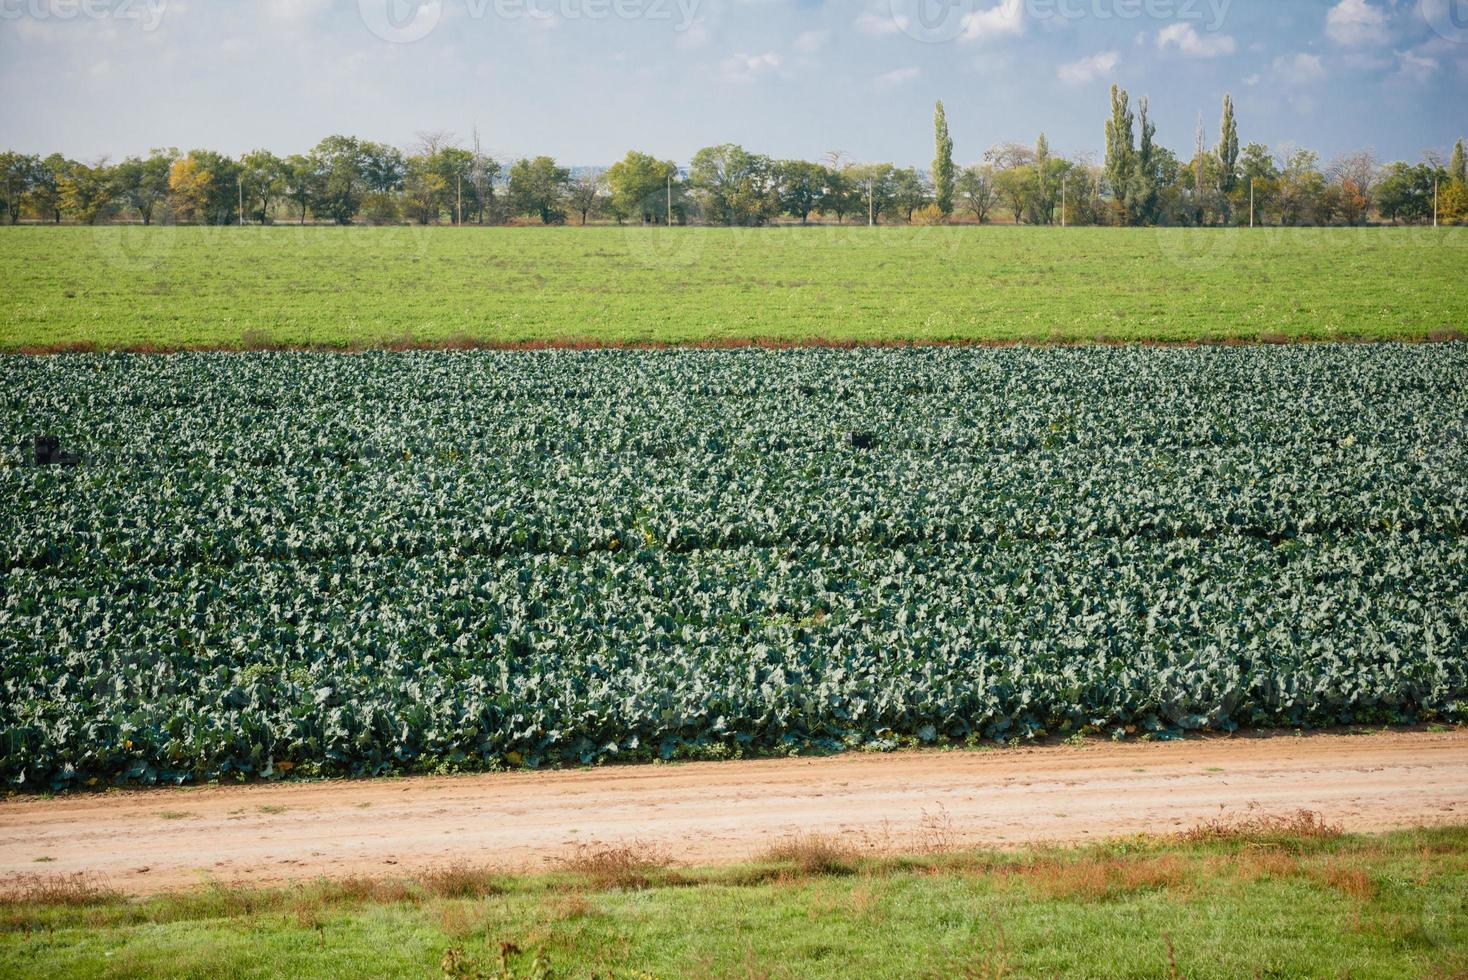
162,840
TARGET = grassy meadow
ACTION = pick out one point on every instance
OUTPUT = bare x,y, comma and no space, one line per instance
1281,901
118,287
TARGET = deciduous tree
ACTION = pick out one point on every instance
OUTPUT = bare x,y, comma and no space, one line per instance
640,186
1017,187
976,188
262,182
143,183
873,187
909,192
538,187
17,173
88,191
338,179
586,192
1354,175
189,185
801,186
45,195
734,186
300,183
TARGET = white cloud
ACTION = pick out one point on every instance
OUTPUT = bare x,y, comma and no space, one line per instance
1185,38
879,25
1416,66
1299,69
896,77
748,67
1353,22
1004,19
1089,69
812,41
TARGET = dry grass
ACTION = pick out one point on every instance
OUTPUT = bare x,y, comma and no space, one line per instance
628,867
1263,829
77,890
1266,865
568,907
1099,877
461,920
937,833
361,889
1348,879
813,854
462,881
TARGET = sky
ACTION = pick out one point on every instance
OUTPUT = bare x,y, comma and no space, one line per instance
587,80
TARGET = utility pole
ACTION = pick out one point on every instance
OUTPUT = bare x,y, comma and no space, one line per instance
670,199
1434,200
1251,202
1064,189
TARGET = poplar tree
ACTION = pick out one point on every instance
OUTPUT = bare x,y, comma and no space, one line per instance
1228,148
1045,203
943,163
1142,196
1458,168
1120,149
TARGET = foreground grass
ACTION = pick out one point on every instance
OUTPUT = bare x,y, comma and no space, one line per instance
169,288
1274,899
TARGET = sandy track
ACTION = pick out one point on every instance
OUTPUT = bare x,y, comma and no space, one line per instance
162,840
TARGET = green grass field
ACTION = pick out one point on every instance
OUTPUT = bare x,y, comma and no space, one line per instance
1260,903
133,287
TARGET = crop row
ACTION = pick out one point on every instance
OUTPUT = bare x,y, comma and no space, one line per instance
360,564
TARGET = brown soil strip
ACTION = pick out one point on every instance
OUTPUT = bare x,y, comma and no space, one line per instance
147,842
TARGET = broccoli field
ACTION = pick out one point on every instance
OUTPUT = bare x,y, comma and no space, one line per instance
248,565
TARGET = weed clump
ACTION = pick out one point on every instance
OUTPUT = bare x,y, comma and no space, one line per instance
816,855
78,890
1288,830
627,867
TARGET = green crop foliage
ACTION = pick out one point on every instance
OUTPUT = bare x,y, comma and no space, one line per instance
120,287
357,564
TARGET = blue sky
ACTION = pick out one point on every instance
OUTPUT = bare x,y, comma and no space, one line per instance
586,80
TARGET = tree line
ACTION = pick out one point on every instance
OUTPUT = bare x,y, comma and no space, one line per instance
345,180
